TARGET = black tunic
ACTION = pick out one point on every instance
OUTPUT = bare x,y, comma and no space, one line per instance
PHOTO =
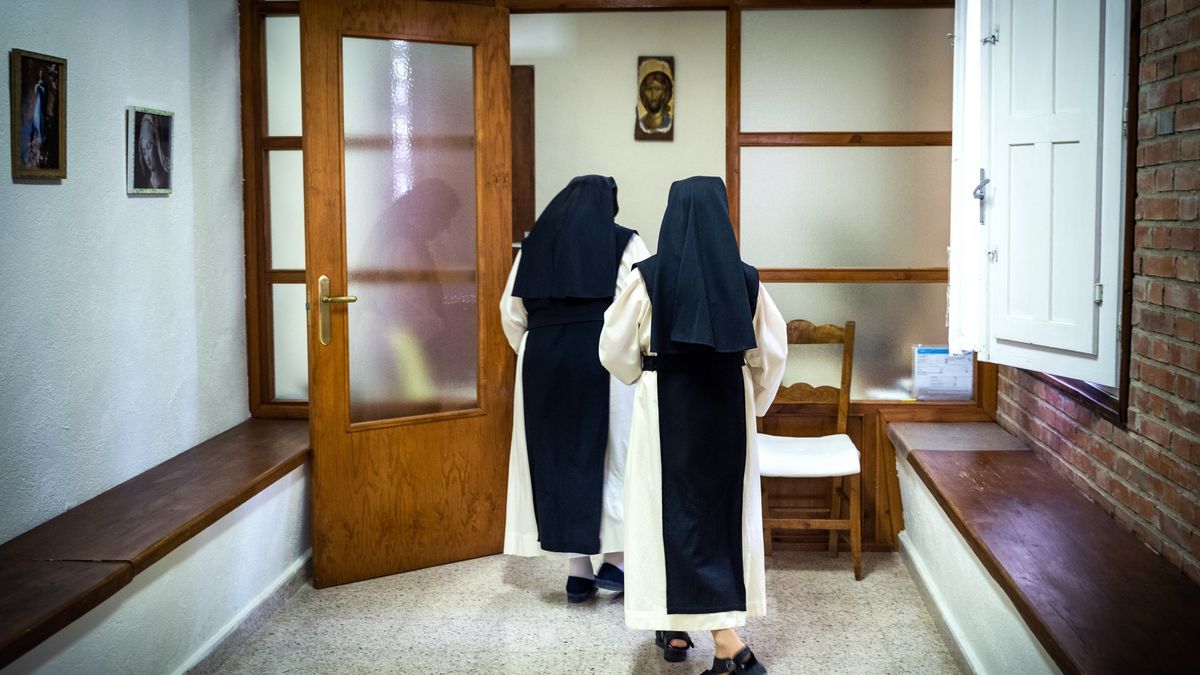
703,298
566,280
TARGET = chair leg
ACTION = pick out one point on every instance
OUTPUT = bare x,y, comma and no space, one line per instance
766,515
856,524
835,512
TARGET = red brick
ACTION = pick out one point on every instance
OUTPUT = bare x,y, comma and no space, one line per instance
1187,119
1153,11
1185,239
1191,570
1187,177
1173,530
1187,269
1182,296
1155,376
1184,448
1189,148
1187,60
1189,208
1154,292
1153,320
1186,388
1155,265
1194,27
1153,348
1183,416
1147,72
1162,94
1164,179
1189,89
1179,6
1186,475
1185,328
1185,356
1150,402
1147,127
1153,430
1158,208
1145,180
1148,235
1160,152
1167,34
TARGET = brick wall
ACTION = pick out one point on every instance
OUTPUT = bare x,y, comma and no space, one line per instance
1147,475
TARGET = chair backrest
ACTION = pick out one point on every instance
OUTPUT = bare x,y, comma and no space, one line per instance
801,332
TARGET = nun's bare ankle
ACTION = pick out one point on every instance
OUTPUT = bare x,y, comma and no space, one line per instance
728,644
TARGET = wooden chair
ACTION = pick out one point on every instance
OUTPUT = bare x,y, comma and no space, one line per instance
834,457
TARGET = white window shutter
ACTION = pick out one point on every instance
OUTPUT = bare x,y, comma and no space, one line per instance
966,305
1055,160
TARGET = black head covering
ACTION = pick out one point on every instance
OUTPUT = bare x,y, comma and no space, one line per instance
571,252
700,288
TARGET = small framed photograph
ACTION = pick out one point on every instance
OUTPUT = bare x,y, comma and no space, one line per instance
38,89
148,157
656,99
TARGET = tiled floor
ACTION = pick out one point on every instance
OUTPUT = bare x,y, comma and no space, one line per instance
509,615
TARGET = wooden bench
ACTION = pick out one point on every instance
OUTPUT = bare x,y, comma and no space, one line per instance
56,572
1096,598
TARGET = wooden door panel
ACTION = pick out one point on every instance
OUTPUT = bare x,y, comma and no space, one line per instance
394,495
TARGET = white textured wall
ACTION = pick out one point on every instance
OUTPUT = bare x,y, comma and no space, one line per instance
981,619
123,334
585,83
172,614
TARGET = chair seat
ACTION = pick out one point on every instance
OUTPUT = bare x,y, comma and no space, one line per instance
807,457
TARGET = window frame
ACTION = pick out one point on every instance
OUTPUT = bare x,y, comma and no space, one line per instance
260,276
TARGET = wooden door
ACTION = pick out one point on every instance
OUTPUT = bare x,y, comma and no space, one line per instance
407,208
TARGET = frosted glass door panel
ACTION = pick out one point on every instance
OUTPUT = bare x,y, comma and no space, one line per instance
889,319
845,207
283,75
410,227
290,330
847,70
286,169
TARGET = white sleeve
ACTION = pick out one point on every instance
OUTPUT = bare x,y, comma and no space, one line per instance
768,359
620,352
513,316
635,252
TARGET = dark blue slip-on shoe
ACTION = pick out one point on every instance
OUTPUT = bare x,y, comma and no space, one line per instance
610,578
580,589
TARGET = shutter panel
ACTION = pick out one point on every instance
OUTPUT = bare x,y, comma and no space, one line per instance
1046,104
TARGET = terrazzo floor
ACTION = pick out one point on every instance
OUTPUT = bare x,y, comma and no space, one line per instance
509,615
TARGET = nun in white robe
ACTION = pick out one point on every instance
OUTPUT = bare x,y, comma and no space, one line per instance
697,316
590,246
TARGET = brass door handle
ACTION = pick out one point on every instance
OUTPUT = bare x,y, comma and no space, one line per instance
326,324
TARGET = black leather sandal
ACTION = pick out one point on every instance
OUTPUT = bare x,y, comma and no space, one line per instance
742,662
671,653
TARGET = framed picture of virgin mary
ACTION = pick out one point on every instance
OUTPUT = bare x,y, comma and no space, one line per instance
148,158
38,90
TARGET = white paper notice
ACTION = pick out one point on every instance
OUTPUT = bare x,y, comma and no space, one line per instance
940,376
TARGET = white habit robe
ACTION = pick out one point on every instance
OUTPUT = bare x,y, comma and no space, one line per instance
520,528
623,341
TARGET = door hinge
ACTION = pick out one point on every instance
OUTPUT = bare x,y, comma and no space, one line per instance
992,38
993,255
1099,295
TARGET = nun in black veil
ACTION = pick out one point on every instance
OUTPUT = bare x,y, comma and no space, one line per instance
570,417
706,346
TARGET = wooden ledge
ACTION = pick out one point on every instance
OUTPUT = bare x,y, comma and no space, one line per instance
59,570
1096,598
